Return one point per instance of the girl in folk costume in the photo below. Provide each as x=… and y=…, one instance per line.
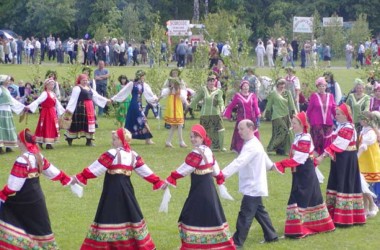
x=82, y=109
x=136, y=121
x=358, y=102
x=8, y=136
x=306, y=212
x=124, y=105
x=119, y=223
x=344, y=192
x=202, y=224
x=175, y=91
x=369, y=156
x=247, y=108
x=321, y=113
x=374, y=103
x=24, y=219
x=212, y=107
x=47, y=130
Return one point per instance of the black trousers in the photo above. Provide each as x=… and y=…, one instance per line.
x=252, y=207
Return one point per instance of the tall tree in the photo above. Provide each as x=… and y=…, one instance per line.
x=196, y=11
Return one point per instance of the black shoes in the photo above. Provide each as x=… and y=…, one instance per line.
x=89, y=143
x=69, y=141
x=49, y=146
x=8, y=150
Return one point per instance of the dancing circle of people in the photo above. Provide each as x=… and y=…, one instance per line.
x=347, y=133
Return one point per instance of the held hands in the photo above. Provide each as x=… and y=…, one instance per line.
x=75, y=187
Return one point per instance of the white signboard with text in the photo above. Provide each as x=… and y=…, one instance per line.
x=302, y=24
x=178, y=27
x=332, y=21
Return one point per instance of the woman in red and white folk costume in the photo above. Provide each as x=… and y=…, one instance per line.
x=119, y=223
x=24, y=219
x=306, y=213
x=247, y=108
x=47, y=130
x=202, y=223
x=344, y=198
x=82, y=107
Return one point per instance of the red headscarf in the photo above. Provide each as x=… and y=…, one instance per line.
x=31, y=146
x=346, y=111
x=302, y=118
x=200, y=130
x=80, y=78
x=121, y=134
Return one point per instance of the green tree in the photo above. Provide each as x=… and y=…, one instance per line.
x=360, y=30
x=58, y=16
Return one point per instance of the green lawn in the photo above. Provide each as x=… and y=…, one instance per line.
x=71, y=216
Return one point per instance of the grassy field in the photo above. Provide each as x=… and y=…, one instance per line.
x=71, y=216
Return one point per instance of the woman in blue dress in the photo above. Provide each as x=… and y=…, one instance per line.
x=136, y=121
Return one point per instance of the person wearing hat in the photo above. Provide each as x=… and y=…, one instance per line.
x=344, y=197
x=320, y=113
x=24, y=218
x=174, y=90
x=135, y=121
x=280, y=107
x=247, y=108
x=293, y=85
x=82, y=109
x=119, y=220
x=252, y=165
x=306, y=212
x=47, y=130
x=202, y=216
x=8, y=136
x=212, y=107
x=358, y=102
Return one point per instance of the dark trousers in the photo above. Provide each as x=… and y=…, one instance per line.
x=252, y=207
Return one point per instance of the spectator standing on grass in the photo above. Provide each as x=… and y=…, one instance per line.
x=269, y=53
x=181, y=52
x=260, y=52
x=20, y=49
x=101, y=75
x=349, y=54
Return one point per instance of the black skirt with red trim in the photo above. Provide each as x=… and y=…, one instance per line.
x=118, y=223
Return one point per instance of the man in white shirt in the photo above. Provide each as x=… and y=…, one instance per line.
x=226, y=50
x=252, y=165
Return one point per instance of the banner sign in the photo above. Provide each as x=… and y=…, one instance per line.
x=303, y=24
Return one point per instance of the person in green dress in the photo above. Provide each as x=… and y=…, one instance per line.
x=358, y=102
x=122, y=107
x=280, y=108
x=212, y=107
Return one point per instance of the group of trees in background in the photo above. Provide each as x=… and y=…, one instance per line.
x=134, y=19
